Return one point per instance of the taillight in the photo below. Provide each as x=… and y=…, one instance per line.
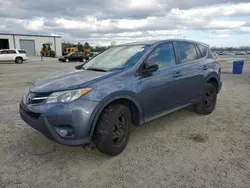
x=218, y=61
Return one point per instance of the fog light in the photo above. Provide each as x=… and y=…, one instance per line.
x=65, y=132
x=62, y=132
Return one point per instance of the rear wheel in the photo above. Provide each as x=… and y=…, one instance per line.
x=208, y=100
x=19, y=60
x=113, y=129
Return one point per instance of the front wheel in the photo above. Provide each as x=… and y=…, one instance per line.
x=19, y=60
x=113, y=129
x=208, y=100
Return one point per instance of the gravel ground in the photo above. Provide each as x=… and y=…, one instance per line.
x=180, y=150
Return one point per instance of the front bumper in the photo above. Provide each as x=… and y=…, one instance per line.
x=47, y=117
x=62, y=60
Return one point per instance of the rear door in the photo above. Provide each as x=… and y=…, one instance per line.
x=191, y=71
x=11, y=55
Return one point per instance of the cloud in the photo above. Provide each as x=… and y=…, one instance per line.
x=103, y=21
x=245, y=29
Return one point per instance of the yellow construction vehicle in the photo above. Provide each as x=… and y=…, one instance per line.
x=86, y=49
x=69, y=50
x=46, y=50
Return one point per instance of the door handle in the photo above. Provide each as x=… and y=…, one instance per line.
x=204, y=67
x=177, y=74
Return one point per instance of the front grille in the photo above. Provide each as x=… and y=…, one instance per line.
x=36, y=98
x=33, y=115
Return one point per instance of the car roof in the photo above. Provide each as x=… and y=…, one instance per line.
x=152, y=42
x=11, y=49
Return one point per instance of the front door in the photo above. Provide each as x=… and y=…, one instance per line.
x=4, y=55
x=75, y=57
x=158, y=90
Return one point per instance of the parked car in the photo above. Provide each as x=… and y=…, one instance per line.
x=132, y=84
x=220, y=53
x=241, y=53
x=15, y=55
x=76, y=56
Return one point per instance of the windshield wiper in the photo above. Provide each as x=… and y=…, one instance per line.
x=97, y=69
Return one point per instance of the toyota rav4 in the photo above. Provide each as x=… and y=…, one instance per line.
x=126, y=85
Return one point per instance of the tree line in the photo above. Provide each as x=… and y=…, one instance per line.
x=80, y=46
x=241, y=48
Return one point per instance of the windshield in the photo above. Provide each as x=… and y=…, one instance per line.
x=119, y=57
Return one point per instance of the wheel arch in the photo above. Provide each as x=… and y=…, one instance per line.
x=213, y=79
x=136, y=110
x=18, y=57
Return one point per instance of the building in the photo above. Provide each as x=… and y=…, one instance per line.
x=32, y=44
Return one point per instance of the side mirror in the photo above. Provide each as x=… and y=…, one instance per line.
x=150, y=67
x=78, y=67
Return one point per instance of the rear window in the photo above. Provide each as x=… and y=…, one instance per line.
x=203, y=50
x=21, y=51
x=187, y=52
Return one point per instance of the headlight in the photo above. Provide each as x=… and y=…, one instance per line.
x=67, y=96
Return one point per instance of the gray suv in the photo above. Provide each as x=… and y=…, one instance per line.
x=126, y=85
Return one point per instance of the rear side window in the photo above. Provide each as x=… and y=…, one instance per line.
x=210, y=54
x=187, y=52
x=203, y=50
x=11, y=51
x=21, y=51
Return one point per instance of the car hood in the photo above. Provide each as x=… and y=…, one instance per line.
x=67, y=80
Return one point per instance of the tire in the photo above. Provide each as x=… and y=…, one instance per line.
x=208, y=100
x=67, y=60
x=19, y=60
x=113, y=129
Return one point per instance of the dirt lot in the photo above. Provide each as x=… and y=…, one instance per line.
x=180, y=150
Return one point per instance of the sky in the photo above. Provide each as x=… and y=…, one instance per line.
x=218, y=23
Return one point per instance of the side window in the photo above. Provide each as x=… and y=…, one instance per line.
x=210, y=55
x=203, y=50
x=21, y=51
x=4, y=52
x=11, y=52
x=187, y=52
x=163, y=55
